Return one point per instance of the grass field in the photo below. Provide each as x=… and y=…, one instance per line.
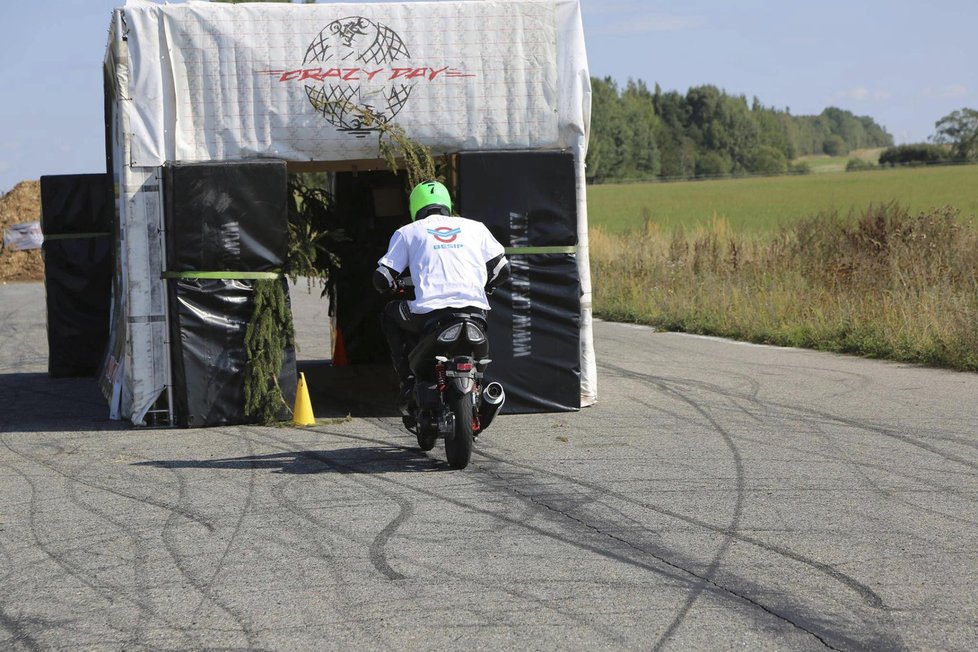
x=759, y=205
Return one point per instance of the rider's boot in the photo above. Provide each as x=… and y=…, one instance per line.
x=405, y=394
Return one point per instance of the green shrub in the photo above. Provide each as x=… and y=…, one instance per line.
x=915, y=154
x=768, y=160
x=858, y=165
x=713, y=164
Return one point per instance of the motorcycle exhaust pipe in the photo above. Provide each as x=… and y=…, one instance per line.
x=493, y=398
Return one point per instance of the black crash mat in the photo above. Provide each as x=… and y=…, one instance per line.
x=77, y=220
x=525, y=198
x=226, y=216
x=535, y=334
x=208, y=320
x=529, y=199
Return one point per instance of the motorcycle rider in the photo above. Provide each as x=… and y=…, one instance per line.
x=454, y=263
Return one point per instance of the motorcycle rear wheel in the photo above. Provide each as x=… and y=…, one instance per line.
x=458, y=449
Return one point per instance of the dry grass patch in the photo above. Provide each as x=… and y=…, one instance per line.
x=889, y=284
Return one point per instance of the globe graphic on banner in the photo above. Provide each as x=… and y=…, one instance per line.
x=357, y=42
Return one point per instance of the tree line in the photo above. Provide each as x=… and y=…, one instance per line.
x=637, y=133
x=955, y=140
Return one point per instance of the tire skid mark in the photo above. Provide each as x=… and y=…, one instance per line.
x=730, y=530
x=868, y=596
x=8, y=560
x=793, y=412
x=378, y=547
x=122, y=494
x=139, y=559
x=166, y=534
x=894, y=496
x=789, y=409
x=279, y=492
x=19, y=636
x=697, y=582
x=963, y=441
x=886, y=432
x=658, y=409
x=140, y=562
x=672, y=570
x=851, y=380
x=715, y=587
x=108, y=592
x=857, y=463
x=803, y=415
x=249, y=499
x=682, y=576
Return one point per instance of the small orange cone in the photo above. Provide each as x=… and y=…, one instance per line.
x=339, y=350
x=302, y=415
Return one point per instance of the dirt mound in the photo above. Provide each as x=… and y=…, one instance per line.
x=21, y=204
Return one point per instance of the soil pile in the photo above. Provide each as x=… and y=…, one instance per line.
x=21, y=204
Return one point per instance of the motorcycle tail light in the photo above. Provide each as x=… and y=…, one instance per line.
x=450, y=334
x=474, y=334
x=463, y=366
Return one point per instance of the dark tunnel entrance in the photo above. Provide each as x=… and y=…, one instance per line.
x=355, y=376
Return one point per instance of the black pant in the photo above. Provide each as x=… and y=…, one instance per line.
x=401, y=329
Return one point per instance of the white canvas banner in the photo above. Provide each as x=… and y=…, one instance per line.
x=293, y=82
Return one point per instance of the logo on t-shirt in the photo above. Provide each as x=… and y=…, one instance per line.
x=445, y=234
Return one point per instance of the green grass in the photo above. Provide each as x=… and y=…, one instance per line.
x=760, y=205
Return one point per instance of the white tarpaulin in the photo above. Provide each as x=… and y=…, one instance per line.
x=18, y=237
x=202, y=81
x=293, y=82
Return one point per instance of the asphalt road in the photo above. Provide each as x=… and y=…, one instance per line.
x=718, y=496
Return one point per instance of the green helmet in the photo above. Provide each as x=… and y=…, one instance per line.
x=427, y=195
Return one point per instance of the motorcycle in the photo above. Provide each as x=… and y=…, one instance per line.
x=450, y=399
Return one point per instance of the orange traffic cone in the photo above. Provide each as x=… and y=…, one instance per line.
x=302, y=415
x=339, y=350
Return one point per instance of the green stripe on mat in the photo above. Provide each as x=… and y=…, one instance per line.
x=229, y=276
x=516, y=251
x=74, y=236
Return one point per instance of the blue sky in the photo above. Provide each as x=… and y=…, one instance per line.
x=904, y=63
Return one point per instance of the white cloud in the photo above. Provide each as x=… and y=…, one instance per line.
x=863, y=94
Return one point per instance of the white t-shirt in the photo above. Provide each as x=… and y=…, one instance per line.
x=447, y=257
